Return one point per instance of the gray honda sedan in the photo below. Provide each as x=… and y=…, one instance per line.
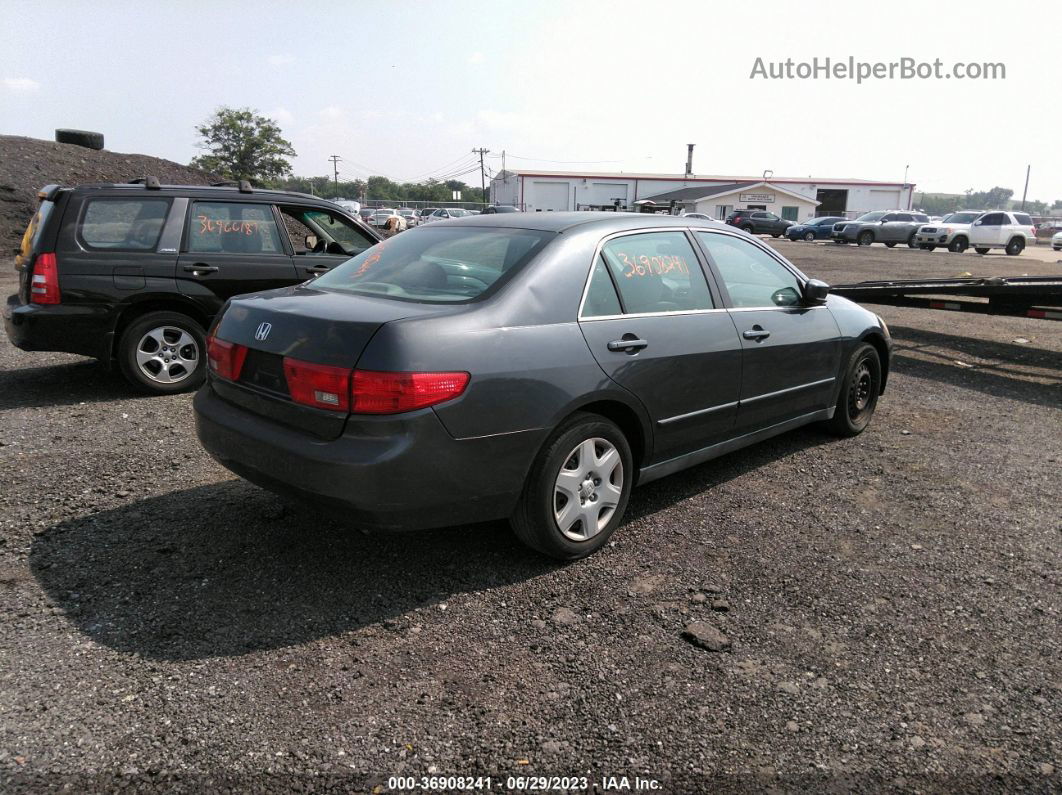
x=530, y=366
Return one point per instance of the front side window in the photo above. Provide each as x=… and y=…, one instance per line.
x=233, y=228
x=656, y=272
x=132, y=225
x=752, y=276
x=439, y=264
x=993, y=219
x=870, y=217
x=336, y=234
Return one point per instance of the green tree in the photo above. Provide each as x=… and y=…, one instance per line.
x=241, y=144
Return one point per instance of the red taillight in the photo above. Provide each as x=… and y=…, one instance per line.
x=391, y=393
x=318, y=385
x=44, y=286
x=225, y=358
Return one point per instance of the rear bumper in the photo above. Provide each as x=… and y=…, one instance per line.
x=400, y=472
x=59, y=327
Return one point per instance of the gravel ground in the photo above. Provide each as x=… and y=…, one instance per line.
x=891, y=602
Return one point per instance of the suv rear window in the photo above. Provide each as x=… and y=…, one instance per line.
x=129, y=224
x=1023, y=219
x=439, y=264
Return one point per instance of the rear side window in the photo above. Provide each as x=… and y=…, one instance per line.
x=233, y=228
x=123, y=224
x=439, y=264
x=601, y=299
x=33, y=233
x=1023, y=219
x=656, y=272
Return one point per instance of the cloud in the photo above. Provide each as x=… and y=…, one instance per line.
x=476, y=57
x=281, y=59
x=502, y=120
x=282, y=116
x=332, y=113
x=21, y=85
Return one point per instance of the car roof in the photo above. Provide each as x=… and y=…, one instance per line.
x=204, y=191
x=563, y=221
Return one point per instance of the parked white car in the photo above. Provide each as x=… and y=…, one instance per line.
x=380, y=216
x=1009, y=231
x=1056, y=241
x=444, y=213
x=350, y=206
x=952, y=231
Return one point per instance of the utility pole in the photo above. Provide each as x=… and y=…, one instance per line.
x=482, y=178
x=335, y=170
x=909, y=196
x=1025, y=192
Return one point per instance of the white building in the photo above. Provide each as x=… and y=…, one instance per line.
x=794, y=199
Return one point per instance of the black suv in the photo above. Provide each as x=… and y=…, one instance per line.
x=759, y=222
x=133, y=274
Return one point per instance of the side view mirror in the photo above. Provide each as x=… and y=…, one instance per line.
x=815, y=291
x=310, y=241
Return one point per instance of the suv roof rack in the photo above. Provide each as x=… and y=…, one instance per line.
x=151, y=183
x=243, y=184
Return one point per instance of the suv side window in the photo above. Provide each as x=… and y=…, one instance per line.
x=339, y=235
x=233, y=228
x=752, y=276
x=656, y=272
x=889, y=217
x=123, y=224
x=1023, y=219
x=904, y=217
x=994, y=219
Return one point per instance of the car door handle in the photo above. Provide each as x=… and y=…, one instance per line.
x=629, y=344
x=200, y=269
x=317, y=269
x=756, y=333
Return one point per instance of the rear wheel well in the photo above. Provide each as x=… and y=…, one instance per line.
x=141, y=308
x=882, y=348
x=627, y=421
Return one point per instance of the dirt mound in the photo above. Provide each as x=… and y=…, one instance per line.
x=28, y=163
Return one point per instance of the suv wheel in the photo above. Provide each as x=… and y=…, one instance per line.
x=865, y=238
x=912, y=241
x=578, y=489
x=1015, y=246
x=748, y=228
x=958, y=245
x=163, y=353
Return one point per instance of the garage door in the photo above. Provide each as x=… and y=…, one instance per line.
x=550, y=196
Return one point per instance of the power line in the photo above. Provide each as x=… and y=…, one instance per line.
x=449, y=166
x=564, y=162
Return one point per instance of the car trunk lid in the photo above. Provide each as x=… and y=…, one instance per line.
x=308, y=325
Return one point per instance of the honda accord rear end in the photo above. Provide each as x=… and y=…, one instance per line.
x=331, y=390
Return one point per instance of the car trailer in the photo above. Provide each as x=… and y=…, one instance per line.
x=1019, y=296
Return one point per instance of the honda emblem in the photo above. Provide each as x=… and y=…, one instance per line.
x=263, y=331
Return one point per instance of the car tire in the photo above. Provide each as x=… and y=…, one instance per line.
x=981, y=250
x=89, y=140
x=809, y=236
x=860, y=386
x=749, y=229
x=541, y=512
x=163, y=353
x=958, y=245
x=1015, y=247
x=776, y=234
x=865, y=238
x=929, y=247
x=890, y=245
x=912, y=242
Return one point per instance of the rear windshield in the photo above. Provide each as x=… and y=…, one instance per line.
x=33, y=233
x=437, y=264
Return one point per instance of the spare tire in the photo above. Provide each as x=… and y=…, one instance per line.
x=89, y=140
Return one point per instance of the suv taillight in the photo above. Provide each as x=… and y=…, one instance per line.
x=376, y=392
x=44, y=286
x=225, y=358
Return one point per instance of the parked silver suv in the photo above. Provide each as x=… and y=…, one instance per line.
x=881, y=226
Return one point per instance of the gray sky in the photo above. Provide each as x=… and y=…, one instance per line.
x=408, y=89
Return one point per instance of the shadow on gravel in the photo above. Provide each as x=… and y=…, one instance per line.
x=1000, y=376
x=228, y=569
x=62, y=385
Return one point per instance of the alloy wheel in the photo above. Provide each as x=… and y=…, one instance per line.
x=167, y=354
x=587, y=489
